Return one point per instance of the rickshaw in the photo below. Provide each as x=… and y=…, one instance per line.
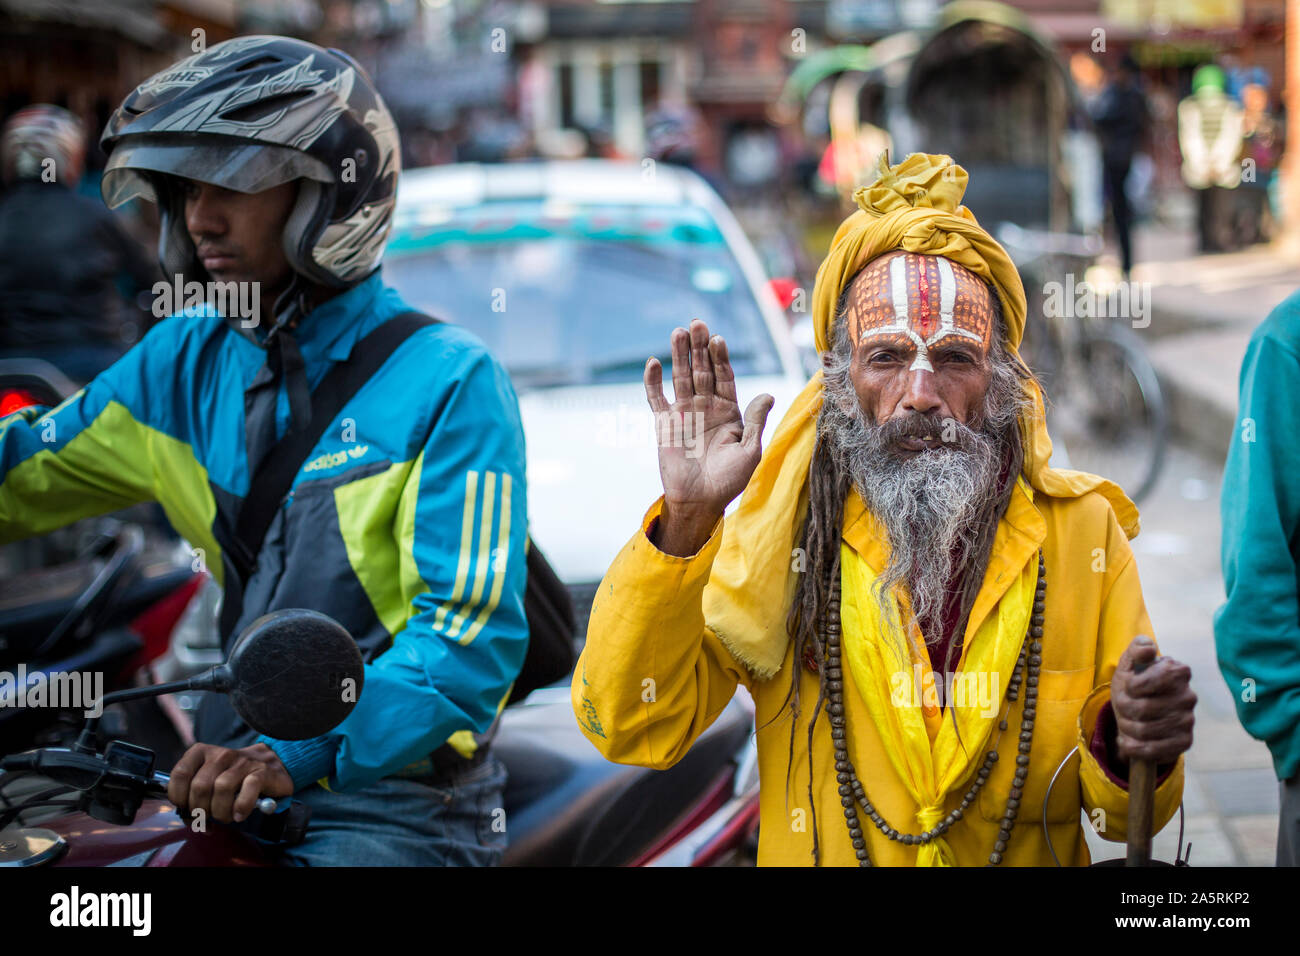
x=981, y=85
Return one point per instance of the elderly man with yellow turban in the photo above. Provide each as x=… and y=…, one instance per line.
x=930, y=619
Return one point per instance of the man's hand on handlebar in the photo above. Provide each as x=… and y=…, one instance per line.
x=226, y=784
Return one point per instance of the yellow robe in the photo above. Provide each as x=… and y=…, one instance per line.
x=647, y=623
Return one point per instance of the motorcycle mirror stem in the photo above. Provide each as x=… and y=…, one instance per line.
x=219, y=679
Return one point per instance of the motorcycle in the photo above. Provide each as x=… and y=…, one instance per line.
x=111, y=615
x=283, y=677
x=130, y=606
x=565, y=805
x=568, y=806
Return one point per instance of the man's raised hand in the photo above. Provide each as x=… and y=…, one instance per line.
x=707, y=448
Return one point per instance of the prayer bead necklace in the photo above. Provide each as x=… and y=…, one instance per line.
x=850, y=788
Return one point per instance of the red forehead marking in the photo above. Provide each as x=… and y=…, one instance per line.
x=925, y=321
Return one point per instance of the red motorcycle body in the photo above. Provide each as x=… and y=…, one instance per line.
x=158, y=837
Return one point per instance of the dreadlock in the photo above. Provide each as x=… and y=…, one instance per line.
x=829, y=482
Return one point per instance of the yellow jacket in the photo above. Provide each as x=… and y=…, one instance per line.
x=647, y=625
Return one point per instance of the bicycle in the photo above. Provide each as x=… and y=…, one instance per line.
x=1106, y=411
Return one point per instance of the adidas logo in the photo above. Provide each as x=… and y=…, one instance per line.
x=334, y=459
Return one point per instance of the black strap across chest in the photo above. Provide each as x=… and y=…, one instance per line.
x=275, y=474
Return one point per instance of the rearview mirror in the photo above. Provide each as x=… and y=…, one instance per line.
x=293, y=674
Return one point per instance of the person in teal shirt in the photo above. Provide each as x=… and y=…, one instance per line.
x=1257, y=630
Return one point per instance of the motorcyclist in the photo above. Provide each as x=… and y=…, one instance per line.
x=67, y=268
x=672, y=135
x=274, y=164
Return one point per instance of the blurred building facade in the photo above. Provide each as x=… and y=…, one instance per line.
x=500, y=79
x=87, y=55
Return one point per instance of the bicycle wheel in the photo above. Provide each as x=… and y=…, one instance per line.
x=1111, y=413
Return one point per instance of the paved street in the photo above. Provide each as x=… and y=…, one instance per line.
x=1230, y=798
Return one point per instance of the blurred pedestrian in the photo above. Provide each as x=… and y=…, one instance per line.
x=1261, y=152
x=598, y=142
x=64, y=259
x=674, y=135
x=1209, y=135
x=1122, y=118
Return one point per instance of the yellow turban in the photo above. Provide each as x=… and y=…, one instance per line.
x=914, y=206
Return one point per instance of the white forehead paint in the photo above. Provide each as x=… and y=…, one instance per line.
x=922, y=360
x=947, y=292
x=901, y=324
x=898, y=288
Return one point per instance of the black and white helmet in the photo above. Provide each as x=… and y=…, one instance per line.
x=250, y=114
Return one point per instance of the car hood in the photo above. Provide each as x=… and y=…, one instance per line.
x=593, y=467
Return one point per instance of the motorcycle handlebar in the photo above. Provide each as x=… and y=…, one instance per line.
x=114, y=783
x=157, y=786
x=64, y=765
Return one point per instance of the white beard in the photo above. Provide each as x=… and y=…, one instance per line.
x=932, y=504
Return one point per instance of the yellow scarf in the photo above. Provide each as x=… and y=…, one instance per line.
x=925, y=750
x=913, y=206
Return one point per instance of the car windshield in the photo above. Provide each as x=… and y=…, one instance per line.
x=578, y=295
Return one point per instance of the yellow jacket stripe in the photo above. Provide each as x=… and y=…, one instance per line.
x=488, y=558
x=466, y=540
x=498, y=557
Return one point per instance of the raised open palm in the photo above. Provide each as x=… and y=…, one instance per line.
x=707, y=449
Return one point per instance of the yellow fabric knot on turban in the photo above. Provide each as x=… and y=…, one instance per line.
x=934, y=182
x=914, y=206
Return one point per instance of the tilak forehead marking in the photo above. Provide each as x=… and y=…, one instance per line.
x=921, y=298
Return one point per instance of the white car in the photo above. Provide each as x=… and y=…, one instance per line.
x=574, y=273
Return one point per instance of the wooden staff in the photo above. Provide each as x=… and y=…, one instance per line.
x=1141, y=802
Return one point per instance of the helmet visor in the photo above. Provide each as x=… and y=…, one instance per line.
x=241, y=166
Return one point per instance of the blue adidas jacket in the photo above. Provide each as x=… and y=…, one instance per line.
x=407, y=523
